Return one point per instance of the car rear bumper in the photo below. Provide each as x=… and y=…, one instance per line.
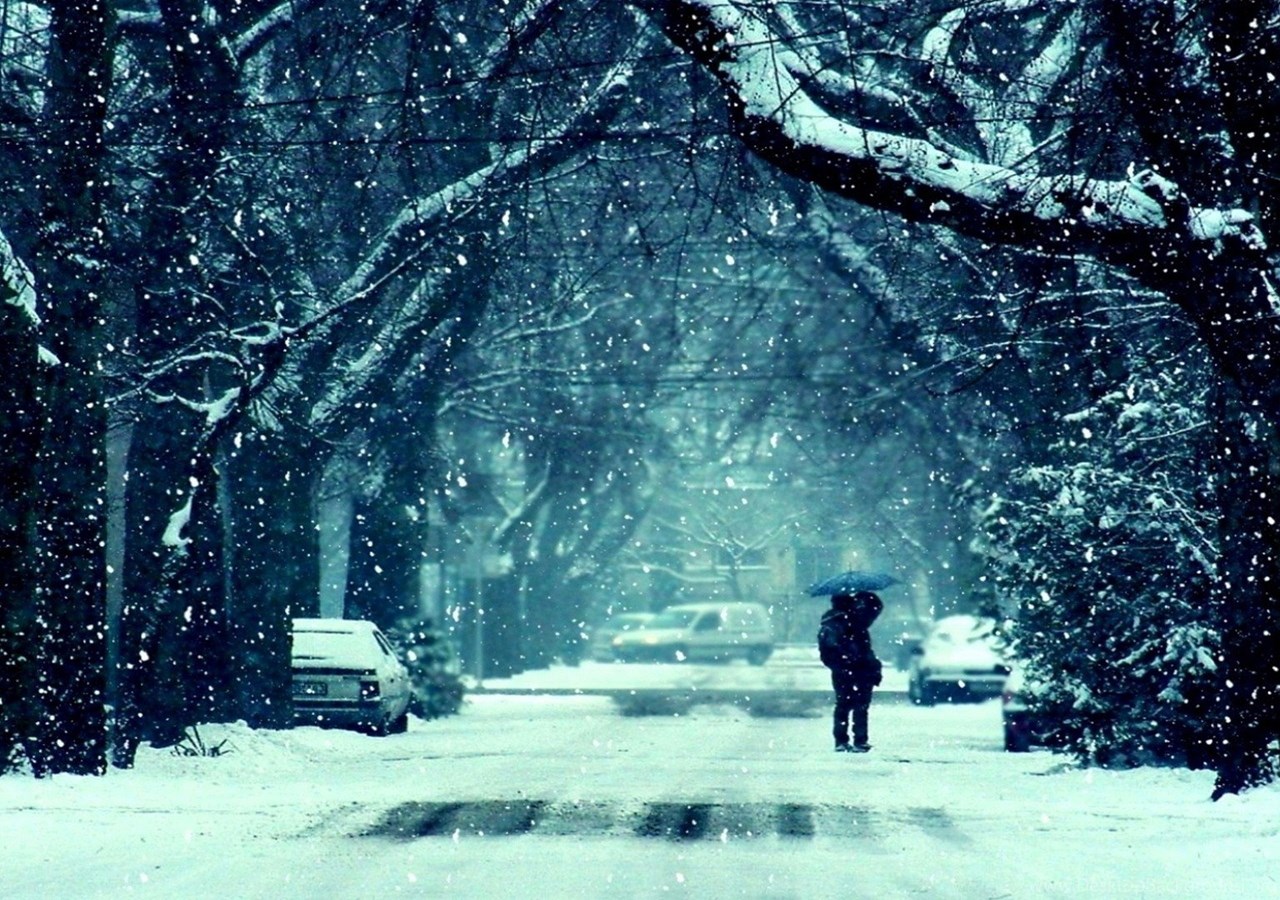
x=985, y=684
x=336, y=712
x=646, y=653
x=668, y=652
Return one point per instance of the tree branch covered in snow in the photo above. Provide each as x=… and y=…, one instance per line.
x=411, y=233
x=1123, y=220
x=17, y=286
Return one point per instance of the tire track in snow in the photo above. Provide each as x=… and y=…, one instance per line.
x=659, y=820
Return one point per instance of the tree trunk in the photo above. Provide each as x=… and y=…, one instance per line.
x=277, y=573
x=389, y=532
x=177, y=599
x=70, y=470
x=1248, y=705
x=20, y=423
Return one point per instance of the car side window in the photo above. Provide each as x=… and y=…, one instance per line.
x=709, y=622
x=384, y=644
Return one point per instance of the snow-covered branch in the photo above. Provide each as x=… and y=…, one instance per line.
x=520, y=331
x=1001, y=111
x=412, y=232
x=17, y=285
x=1122, y=220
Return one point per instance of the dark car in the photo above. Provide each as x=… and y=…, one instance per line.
x=1024, y=728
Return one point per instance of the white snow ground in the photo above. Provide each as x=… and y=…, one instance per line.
x=560, y=796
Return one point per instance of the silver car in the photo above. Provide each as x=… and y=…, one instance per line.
x=346, y=674
x=700, y=632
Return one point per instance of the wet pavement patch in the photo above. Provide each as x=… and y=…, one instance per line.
x=678, y=821
x=670, y=821
x=492, y=817
x=795, y=820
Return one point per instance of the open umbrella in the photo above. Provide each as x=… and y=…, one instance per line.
x=851, y=582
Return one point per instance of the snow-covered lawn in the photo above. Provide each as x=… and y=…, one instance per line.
x=563, y=797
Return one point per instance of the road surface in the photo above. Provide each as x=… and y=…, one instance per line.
x=564, y=797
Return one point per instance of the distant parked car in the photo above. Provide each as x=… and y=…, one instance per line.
x=1023, y=727
x=601, y=645
x=957, y=660
x=346, y=674
x=700, y=632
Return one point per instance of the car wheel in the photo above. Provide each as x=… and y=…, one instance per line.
x=400, y=724
x=1016, y=740
x=928, y=693
x=758, y=656
x=913, y=691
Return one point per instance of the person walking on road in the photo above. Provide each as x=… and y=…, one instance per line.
x=844, y=644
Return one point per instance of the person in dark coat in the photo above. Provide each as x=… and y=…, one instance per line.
x=844, y=643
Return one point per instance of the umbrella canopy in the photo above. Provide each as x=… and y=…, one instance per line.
x=852, y=582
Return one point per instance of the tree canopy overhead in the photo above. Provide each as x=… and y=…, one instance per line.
x=293, y=228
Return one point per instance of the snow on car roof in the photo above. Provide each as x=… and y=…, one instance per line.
x=335, y=626
x=339, y=642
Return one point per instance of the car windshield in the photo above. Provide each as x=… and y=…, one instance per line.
x=964, y=630
x=628, y=621
x=673, y=618
x=343, y=646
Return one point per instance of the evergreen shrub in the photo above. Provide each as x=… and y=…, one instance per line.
x=428, y=653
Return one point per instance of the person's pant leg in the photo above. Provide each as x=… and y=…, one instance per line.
x=860, y=724
x=845, y=689
x=859, y=705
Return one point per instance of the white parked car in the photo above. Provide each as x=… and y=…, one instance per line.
x=345, y=673
x=958, y=659
x=700, y=632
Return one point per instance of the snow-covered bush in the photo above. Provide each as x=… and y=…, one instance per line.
x=1104, y=561
x=433, y=668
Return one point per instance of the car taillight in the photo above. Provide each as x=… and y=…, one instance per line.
x=369, y=690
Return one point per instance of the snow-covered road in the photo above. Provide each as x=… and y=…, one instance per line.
x=563, y=797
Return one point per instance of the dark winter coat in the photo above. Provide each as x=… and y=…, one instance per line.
x=844, y=641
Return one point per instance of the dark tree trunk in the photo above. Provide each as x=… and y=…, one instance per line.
x=69, y=468
x=20, y=424
x=276, y=576
x=1229, y=301
x=387, y=544
x=153, y=691
x=186, y=675
x=1248, y=705
x=390, y=531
